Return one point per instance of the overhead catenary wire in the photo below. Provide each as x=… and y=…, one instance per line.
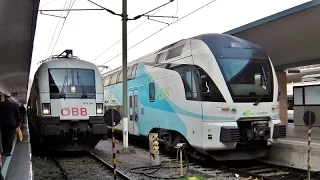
x=108, y=10
x=161, y=29
x=135, y=18
x=176, y=10
x=127, y=34
x=47, y=3
x=55, y=30
x=70, y=7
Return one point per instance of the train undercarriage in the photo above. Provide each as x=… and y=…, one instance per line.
x=252, y=138
x=66, y=135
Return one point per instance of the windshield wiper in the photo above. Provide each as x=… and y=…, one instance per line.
x=84, y=94
x=263, y=92
x=62, y=94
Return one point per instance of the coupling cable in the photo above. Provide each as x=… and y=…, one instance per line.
x=149, y=170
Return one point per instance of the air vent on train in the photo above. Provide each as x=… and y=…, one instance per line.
x=229, y=134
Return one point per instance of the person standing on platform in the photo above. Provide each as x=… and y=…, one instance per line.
x=10, y=119
x=22, y=110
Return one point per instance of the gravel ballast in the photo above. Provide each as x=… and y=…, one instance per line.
x=141, y=157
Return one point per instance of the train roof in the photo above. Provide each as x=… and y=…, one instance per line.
x=215, y=40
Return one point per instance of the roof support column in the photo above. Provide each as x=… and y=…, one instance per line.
x=283, y=101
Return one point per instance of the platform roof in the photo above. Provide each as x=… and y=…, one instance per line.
x=291, y=37
x=18, y=23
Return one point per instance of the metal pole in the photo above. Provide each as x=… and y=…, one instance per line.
x=113, y=147
x=124, y=73
x=309, y=140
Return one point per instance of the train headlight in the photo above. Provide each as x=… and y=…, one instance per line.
x=233, y=111
x=227, y=111
x=99, y=108
x=73, y=89
x=46, y=110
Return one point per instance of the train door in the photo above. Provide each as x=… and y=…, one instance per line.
x=134, y=112
x=210, y=93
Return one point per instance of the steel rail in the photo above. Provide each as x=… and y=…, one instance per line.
x=121, y=174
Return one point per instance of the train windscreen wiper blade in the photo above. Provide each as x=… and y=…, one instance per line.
x=266, y=86
x=84, y=94
x=62, y=94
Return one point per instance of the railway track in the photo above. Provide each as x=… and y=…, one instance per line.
x=251, y=168
x=267, y=171
x=89, y=165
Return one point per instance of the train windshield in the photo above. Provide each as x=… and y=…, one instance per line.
x=248, y=79
x=72, y=81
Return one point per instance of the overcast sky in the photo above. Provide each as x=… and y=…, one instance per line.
x=90, y=33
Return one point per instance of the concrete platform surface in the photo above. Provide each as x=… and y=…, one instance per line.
x=293, y=150
x=18, y=166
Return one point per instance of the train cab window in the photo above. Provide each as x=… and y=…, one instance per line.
x=151, y=92
x=71, y=80
x=83, y=76
x=258, y=80
x=209, y=90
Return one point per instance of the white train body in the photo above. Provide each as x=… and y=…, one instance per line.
x=216, y=92
x=66, y=104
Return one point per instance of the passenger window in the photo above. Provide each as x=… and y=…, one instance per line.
x=130, y=101
x=114, y=78
x=157, y=58
x=129, y=75
x=135, y=100
x=106, y=80
x=120, y=76
x=151, y=92
x=175, y=52
x=161, y=58
x=134, y=70
x=189, y=85
x=110, y=82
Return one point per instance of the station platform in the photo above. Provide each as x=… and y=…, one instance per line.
x=293, y=150
x=18, y=165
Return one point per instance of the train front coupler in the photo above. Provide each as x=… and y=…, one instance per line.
x=260, y=130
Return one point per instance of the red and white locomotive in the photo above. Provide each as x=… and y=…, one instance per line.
x=65, y=106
